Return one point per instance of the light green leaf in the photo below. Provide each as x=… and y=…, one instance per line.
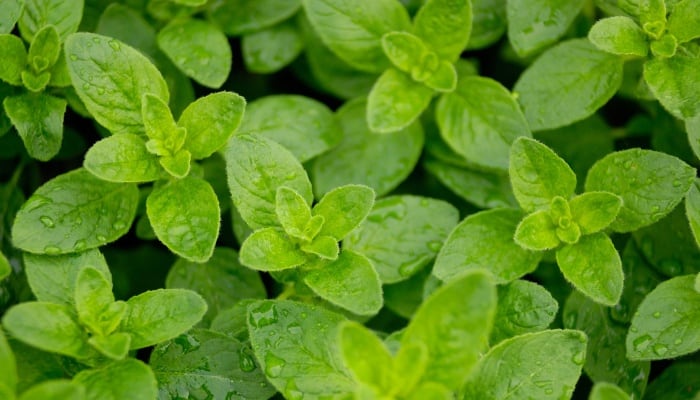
x=443, y=78
x=666, y=77
x=666, y=324
x=536, y=24
x=270, y=249
x=480, y=120
x=523, y=307
x=323, y=246
x=595, y=211
x=38, y=119
x=8, y=367
x=129, y=379
x=650, y=183
x=114, y=346
x=402, y=234
x=343, y=209
x=236, y=17
x=538, y=174
x=163, y=314
x=353, y=30
x=15, y=59
x=349, y=282
x=454, y=324
x=210, y=121
x=537, y=232
x=684, y=21
x=123, y=158
x=113, y=96
x=396, y=101
x=404, y=50
x=55, y=389
x=362, y=157
x=44, y=49
x=366, y=357
x=204, y=363
x=410, y=363
x=692, y=127
x=607, y=391
x=185, y=216
x=431, y=391
x=160, y=125
x=93, y=295
x=48, y=326
x=484, y=240
x=74, y=212
x=304, y=126
x=652, y=16
x=64, y=15
x=544, y=365
x=444, y=26
x=593, y=266
x=551, y=99
x=5, y=267
x=303, y=359
x=178, y=164
x=271, y=49
x=34, y=82
x=619, y=35
x=293, y=212
x=199, y=49
x=256, y=167
x=12, y=9
x=692, y=210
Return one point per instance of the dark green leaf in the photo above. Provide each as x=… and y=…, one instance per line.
x=236, y=17
x=38, y=119
x=273, y=48
x=667, y=79
x=677, y=382
x=523, y=307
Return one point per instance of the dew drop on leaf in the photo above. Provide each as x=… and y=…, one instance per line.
x=245, y=361
x=119, y=225
x=79, y=245
x=264, y=315
x=47, y=221
x=101, y=238
x=52, y=250
x=642, y=342
x=660, y=349
x=273, y=365
x=294, y=329
x=114, y=44
x=579, y=358
x=188, y=343
x=656, y=314
x=435, y=245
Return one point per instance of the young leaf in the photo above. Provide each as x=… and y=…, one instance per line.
x=12, y=9
x=650, y=183
x=163, y=314
x=402, y=234
x=523, y=307
x=204, y=363
x=74, y=212
x=178, y=165
x=44, y=49
x=128, y=379
x=537, y=232
x=593, y=266
x=160, y=125
x=450, y=361
x=353, y=30
x=395, y=101
x=652, y=16
x=38, y=118
x=404, y=50
x=666, y=78
x=684, y=21
x=666, y=324
x=271, y=249
x=271, y=49
x=692, y=210
x=323, y=246
x=349, y=282
x=238, y=17
x=538, y=174
x=129, y=77
x=465, y=248
x=607, y=391
x=343, y=209
x=123, y=158
x=595, y=211
x=619, y=35
x=64, y=15
x=15, y=59
x=256, y=167
x=55, y=389
x=292, y=212
x=199, y=49
x=93, y=294
x=114, y=346
x=534, y=25
x=551, y=99
x=305, y=340
x=544, y=365
x=48, y=326
x=366, y=357
x=437, y=20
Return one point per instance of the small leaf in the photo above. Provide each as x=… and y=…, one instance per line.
x=114, y=346
x=343, y=209
x=185, y=216
x=443, y=78
x=684, y=21
x=440, y=19
x=538, y=174
x=38, y=119
x=44, y=49
x=410, y=363
x=536, y=24
x=246, y=16
x=665, y=78
x=325, y=247
x=366, y=357
x=159, y=123
x=537, y=232
x=523, y=307
x=619, y=35
x=271, y=49
x=349, y=282
x=64, y=15
x=593, y=266
x=163, y=314
x=15, y=59
x=403, y=49
x=396, y=101
x=292, y=212
x=93, y=294
x=177, y=165
x=607, y=391
x=595, y=211
x=122, y=158
x=55, y=389
x=128, y=379
x=270, y=249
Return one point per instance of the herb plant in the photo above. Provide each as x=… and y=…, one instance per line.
x=367, y=199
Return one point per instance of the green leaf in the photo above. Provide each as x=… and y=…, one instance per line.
x=35, y=82
x=304, y=126
x=93, y=296
x=467, y=331
x=650, y=183
x=349, y=282
x=236, y=17
x=652, y=15
x=44, y=49
x=185, y=216
x=38, y=119
x=619, y=35
x=163, y=314
x=523, y=307
x=402, y=234
x=692, y=210
x=595, y=211
x=666, y=77
x=270, y=249
x=607, y=391
x=292, y=212
x=199, y=49
x=485, y=240
x=538, y=174
x=5, y=267
x=123, y=158
x=684, y=21
x=12, y=9
x=48, y=326
x=112, y=95
x=534, y=25
x=323, y=246
x=410, y=363
x=64, y=15
x=692, y=127
x=480, y=120
x=15, y=59
x=438, y=20
x=640, y=280
x=677, y=382
x=343, y=209
x=305, y=341
x=114, y=346
x=593, y=266
x=56, y=389
x=488, y=23
x=74, y=212
x=404, y=50
x=362, y=157
x=178, y=165
x=256, y=167
x=537, y=232
x=544, y=365
x=8, y=367
x=366, y=357
x=551, y=99
x=128, y=379
x=353, y=30
x=396, y=101
x=666, y=323
x=271, y=49
x=160, y=125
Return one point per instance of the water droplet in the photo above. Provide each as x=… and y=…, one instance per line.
x=52, y=250
x=407, y=269
x=677, y=183
x=100, y=90
x=671, y=267
x=73, y=57
x=36, y=201
x=47, y=221
x=579, y=358
x=292, y=392
x=273, y=365
x=641, y=343
x=114, y=44
x=294, y=329
x=656, y=314
x=264, y=315
x=78, y=221
x=187, y=342
x=660, y=349
x=101, y=238
x=86, y=86
x=628, y=164
x=245, y=361
x=435, y=245
x=655, y=209
x=119, y=225
x=303, y=315
x=79, y=245
x=548, y=391
x=96, y=39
